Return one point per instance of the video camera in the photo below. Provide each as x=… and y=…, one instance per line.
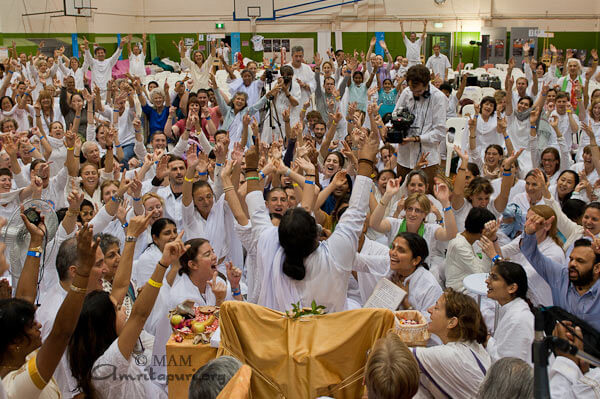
x=401, y=121
x=270, y=75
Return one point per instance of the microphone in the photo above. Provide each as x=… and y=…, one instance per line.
x=540, y=352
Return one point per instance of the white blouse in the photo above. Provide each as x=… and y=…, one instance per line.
x=514, y=332
x=453, y=370
x=113, y=376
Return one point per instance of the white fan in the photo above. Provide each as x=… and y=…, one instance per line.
x=16, y=237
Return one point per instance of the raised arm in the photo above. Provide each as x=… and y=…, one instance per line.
x=137, y=225
x=509, y=95
x=458, y=194
x=378, y=221
x=54, y=346
x=231, y=195
x=145, y=301
x=335, y=119
x=502, y=200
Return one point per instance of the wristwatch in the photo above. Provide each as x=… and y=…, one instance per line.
x=130, y=239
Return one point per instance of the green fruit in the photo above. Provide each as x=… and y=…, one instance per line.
x=176, y=319
x=198, y=327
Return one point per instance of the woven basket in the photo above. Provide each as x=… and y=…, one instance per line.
x=412, y=335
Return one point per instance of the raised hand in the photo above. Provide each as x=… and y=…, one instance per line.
x=442, y=193
x=173, y=250
x=162, y=168
x=234, y=275
x=218, y=288
x=318, y=59
x=535, y=222
x=86, y=245
x=139, y=224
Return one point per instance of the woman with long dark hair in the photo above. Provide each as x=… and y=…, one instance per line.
x=26, y=363
x=297, y=266
x=507, y=285
x=100, y=351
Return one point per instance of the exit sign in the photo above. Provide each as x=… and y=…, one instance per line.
x=220, y=26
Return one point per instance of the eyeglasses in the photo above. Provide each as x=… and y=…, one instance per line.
x=415, y=210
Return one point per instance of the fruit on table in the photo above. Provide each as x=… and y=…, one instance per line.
x=199, y=327
x=176, y=319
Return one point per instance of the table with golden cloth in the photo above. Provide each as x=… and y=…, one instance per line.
x=183, y=359
x=307, y=357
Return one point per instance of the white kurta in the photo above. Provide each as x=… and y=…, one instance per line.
x=454, y=370
x=144, y=266
x=461, y=261
x=102, y=70
x=136, y=64
x=514, y=333
x=327, y=268
x=112, y=363
x=568, y=382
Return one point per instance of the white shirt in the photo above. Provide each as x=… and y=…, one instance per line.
x=514, y=332
x=452, y=105
x=429, y=125
x=518, y=188
x=568, y=382
x=45, y=315
x=592, y=177
x=372, y=253
x=253, y=91
x=452, y=370
x=136, y=64
x=144, y=266
x=460, y=215
x=439, y=64
x=125, y=125
x=172, y=207
x=306, y=75
x=327, y=268
x=565, y=128
x=413, y=50
x=78, y=75
x=462, y=261
x=101, y=70
x=120, y=384
x=523, y=201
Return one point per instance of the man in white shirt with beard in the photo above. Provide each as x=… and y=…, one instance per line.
x=303, y=74
x=429, y=106
x=413, y=45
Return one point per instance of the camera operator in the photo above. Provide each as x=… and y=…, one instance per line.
x=287, y=95
x=428, y=105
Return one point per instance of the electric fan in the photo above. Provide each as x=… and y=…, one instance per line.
x=16, y=237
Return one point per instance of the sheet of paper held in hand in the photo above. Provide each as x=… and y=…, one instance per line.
x=385, y=295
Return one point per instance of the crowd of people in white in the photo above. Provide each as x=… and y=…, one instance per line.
x=278, y=183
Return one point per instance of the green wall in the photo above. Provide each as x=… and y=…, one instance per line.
x=578, y=40
x=461, y=43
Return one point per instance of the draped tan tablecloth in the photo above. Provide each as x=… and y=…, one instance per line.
x=302, y=358
x=183, y=359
